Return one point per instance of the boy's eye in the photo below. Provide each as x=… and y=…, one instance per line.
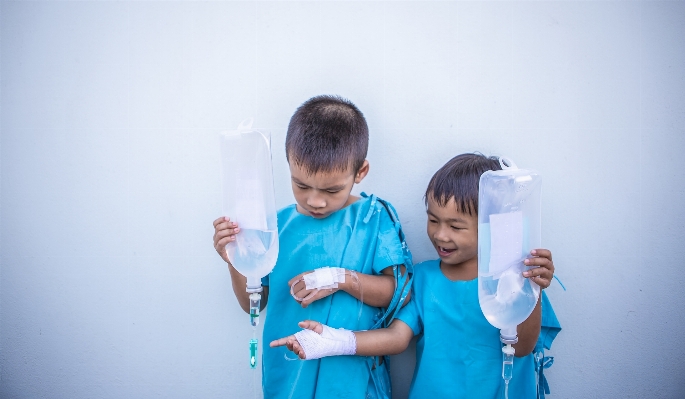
x=301, y=187
x=332, y=191
x=456, y=228
x=432, y=220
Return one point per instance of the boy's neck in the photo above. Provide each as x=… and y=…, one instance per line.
x=350, y=200
x=464, y=271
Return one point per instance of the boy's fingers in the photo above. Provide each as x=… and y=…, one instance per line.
x=311, y=325
x=226, y=227
x=300, y=352
x=536, y=261
x=543, y=263
x=310, y=297
x=221, y=244
x=281, y=341
x=539, y=272
x=301, y=293
x=540, y=276
x=292, y=280
x=220, y=220
x=227, y=232
x=541, y=281
x=545, y=253
x=224, y=220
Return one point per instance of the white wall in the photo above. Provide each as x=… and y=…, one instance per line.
x=109, y=285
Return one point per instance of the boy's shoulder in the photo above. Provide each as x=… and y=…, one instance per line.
x=427, y=267
x=287, y=210
x=376, y=202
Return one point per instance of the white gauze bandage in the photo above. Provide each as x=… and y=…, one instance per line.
x=331, y=342
x=324, y=278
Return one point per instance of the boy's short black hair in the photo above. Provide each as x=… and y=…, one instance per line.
x=327, y=133
x=459, y=179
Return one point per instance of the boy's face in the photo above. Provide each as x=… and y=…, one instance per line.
x=321, y=194
x=453, y=234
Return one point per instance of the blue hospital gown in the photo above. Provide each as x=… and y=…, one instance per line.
x=458, y=354
x=359, y=237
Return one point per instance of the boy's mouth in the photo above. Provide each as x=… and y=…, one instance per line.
x=442, y=251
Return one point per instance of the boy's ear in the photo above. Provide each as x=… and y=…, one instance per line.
x=362, y=172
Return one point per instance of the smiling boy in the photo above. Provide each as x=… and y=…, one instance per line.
x=458, y=352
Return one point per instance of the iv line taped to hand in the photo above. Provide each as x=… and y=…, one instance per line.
x=323, y=278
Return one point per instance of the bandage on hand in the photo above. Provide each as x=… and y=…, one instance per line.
x=320, y=279
x=331, y=342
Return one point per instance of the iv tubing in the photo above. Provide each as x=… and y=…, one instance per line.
x=508, y=336
x=255, y=305
x=253, y=361
x=507, y=367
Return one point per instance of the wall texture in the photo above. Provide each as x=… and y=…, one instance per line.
x=109, y=285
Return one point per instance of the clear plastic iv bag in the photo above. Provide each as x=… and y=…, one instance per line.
x=508, y=229
x=248, y=199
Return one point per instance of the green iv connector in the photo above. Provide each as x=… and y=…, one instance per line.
x=253, y=353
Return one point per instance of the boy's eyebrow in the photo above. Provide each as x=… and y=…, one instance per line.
x=338, y=187
x=457, y=220
x=333, y=188
x=297, y=181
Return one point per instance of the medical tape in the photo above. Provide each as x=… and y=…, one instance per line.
x=331, y=342
x=322, y=278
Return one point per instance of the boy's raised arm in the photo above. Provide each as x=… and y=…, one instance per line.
x=224, y=232
x=327, y=341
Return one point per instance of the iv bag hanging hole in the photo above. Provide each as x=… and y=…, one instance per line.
x=246, y=124
x=507, y=163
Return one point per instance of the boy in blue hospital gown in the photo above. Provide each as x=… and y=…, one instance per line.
x=328, y=231
x=458, y=353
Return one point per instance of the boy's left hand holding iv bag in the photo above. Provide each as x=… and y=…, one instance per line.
x=542, y=271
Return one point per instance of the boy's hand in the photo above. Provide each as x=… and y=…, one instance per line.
x=291, y=342
x=224, y=232
x=308, y=296
x=543, y=274
x=317, y=340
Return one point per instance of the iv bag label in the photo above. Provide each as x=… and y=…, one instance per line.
x=506, y=241
x=250, y=207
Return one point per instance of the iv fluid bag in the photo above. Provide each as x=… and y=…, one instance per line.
x=508, y=229
x=248, y=199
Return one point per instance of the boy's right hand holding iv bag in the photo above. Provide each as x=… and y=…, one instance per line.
x=329, y=241
x=224, y=233
x=456, y=346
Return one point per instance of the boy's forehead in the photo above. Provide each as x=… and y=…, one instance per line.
x=302, y=173
x=301, y=169
x=448, y=210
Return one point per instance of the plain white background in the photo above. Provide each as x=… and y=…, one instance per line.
x=109, y=284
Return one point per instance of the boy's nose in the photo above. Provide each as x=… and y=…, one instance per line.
x=316, y=201
x=440, y=234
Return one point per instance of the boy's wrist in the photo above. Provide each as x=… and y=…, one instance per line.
x=351, y=283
